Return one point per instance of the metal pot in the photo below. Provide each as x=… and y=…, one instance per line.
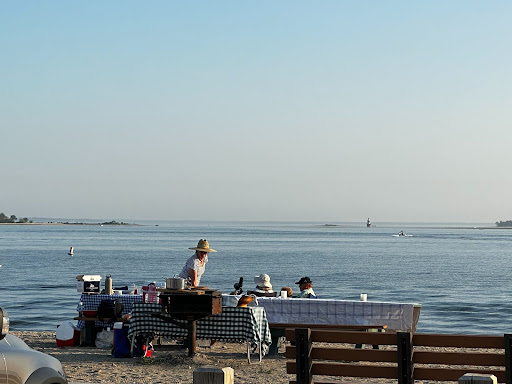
x=175, y=283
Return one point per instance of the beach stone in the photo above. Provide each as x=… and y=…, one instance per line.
x=212, y=375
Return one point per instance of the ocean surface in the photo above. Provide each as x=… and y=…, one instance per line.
x=459, y=273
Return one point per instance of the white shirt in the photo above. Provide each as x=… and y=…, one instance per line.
x=194, y=263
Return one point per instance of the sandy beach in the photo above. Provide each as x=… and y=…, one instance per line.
x=96, y=365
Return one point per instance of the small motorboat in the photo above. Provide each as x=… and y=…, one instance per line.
x=402, y=234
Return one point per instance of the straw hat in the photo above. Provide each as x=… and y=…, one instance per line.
x=202, y=245
x=263, y=280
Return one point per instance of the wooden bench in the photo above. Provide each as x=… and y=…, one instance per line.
x=277, y=330
x=405, y=357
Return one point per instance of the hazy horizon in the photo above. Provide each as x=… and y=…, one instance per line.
x=257, y=111
x=320, y=222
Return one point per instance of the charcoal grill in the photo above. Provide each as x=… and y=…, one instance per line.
x=189, y=305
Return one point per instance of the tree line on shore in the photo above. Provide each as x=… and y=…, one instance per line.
x=12, y=219
x=507, y=223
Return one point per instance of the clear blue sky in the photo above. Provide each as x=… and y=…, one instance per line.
x=263, y=110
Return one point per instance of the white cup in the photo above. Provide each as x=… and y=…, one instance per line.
x=364, y=296
x=284, y=294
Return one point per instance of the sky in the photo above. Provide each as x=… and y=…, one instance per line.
x=329, y=111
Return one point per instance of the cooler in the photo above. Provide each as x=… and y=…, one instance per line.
x=67, y=335
x=88, y=283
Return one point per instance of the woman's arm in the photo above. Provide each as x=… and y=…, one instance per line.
x=193, y=276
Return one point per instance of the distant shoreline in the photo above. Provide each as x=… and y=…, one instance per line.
x=58, y=223
x=321, y=225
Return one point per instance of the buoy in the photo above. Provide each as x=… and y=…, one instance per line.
x=70, y=251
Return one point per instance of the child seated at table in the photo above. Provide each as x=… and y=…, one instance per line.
x=289, y=291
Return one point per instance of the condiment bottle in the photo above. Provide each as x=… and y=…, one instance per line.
x=152, y=296
x=108, y=285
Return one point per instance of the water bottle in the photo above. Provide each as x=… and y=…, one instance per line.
x=152, y=295
x=108, y=285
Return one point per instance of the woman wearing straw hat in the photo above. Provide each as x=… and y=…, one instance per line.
x=195, y=265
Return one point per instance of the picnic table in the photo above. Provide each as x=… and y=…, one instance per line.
x=234, y=324
x=331, y=313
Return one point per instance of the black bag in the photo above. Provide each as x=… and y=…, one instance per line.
x=110, y=310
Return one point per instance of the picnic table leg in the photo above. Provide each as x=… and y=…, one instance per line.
x=192, y=331
x=89, y=334
x=276, y=334
x=132, y=344
x=259, y=349
x=359, y=346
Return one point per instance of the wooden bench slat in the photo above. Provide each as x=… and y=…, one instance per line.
x=345, y=354
x=327, y=326
x=460, y=341
x=353, y=337
x=291, y=367
x=457, y=358
x=350, y=337
x=452, y=374
x=325, y=335
x=353, y=370
x=290, y=352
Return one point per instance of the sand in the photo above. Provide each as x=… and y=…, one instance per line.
x=96, y=365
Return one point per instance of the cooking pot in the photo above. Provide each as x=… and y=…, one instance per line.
x=175, y=283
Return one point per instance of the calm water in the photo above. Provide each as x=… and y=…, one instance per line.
x=459, y=274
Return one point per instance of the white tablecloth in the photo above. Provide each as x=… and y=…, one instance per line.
x=396, y=316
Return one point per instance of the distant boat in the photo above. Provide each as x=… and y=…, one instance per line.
x=368, y=223
x=70, y=253
x=402, y=234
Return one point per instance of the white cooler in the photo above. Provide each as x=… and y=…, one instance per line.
x=88, y=283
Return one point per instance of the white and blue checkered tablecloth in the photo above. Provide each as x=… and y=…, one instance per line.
x=91, y=302
x=233, y=324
